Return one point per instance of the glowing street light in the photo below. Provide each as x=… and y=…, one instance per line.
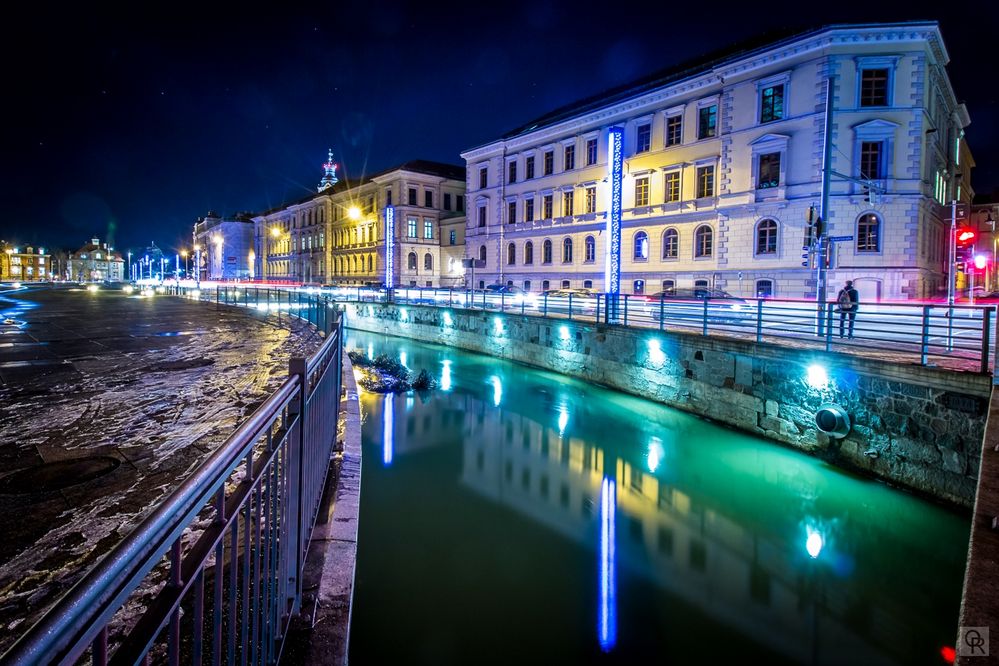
x=354, y=213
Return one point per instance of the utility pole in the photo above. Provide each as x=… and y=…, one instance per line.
x=820, y=274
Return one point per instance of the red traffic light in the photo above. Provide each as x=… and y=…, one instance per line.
x=966, y=236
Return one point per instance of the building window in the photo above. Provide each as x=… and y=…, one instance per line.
x=528, y=253
x=643, y=138
x=587, y=284
x=529, y=210
x=428, y=262
x=589, y=250
x=707, y=120
x=591, y=152
x=483, y=177
x=669, y=286
x=772, y=103
x=764, y=288
x=511, y=172
x=567, y=251
x=410, y=261
x=545, y=285
x=565, y=284
x=642, y=191
x=447, y=201
x=672, y=186
x=511, y=254
x=674, y=128
x=453, y=237
x=641, y=246
x=459, y=203
x=638, y=287
x=410, y=227
x=768, y=170
x=591, y=200
x=428, y=199
x=871, y=163
x=549, y=165
x=874, y=87
x=705, y=181
x=546, y=252
x=412, y=196
x=529, y=167
x=567, y=201
x=766, y=237
x=388, y=200
x=428, y=229
x=869, y=233
x=527, y=285
x=511, y=212
x=702, y=241
x=482, y=216
x=482, y=254
x=546, y=207
x=699, y=287
x=671, y=244
x=570, y=158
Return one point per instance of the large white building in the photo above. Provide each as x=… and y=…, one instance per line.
x=340, y=235
x=720, y=164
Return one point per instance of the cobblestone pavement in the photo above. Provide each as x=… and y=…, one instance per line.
x=107, y=401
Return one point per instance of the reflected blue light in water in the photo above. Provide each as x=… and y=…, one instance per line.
x=563, y=419
x=607, y=621
x=371, y=350
x=410, y=401
x=813, y=542
x=497, y=390
x=388, y=428
x=446, y=376
x=656, y=453
x=402, y=357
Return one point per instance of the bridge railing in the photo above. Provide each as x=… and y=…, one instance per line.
x=958, y=336
x=214, y=573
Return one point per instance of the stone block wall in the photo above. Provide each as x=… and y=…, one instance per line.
x=916, y=427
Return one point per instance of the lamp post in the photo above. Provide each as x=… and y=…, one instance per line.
x=197, y=266
x=131, y=269
x=187, y=264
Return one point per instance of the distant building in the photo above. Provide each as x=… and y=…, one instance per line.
x=23, y=263
x=703, y=176
x=339, y=235
x=226, y=246
x=96, y=262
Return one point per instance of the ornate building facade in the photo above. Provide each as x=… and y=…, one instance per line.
x=340, y=235
x=96, y=262
x=717, y=166
x=226, y=247
x=24, y=264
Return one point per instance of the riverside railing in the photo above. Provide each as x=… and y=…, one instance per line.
x=214, y=574
x=958, y=336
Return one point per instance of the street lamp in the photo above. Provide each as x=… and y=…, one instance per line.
x=187, y=264
x=197, y=265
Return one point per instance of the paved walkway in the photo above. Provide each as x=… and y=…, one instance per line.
x=106, y=402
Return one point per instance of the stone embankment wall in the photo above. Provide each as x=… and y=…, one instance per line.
x=913, y=426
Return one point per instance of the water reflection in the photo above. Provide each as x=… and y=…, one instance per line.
x=676, y=523
x=388, y=429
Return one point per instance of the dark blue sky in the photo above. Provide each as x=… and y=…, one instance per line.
x=133, y=123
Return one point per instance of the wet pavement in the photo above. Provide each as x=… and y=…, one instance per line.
x=107, y=401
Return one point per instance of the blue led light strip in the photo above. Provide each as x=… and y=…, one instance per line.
x=615, y=169
x=389, y=245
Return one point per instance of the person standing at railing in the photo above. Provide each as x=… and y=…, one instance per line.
x=848, y=302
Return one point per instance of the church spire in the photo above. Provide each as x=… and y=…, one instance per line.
x=329, y=178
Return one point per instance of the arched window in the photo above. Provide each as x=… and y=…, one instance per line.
x=528, y=253
x=869, y=233
x=428, y=262
x=669, y=287
x=511, y=254
x=371, y=263
x=671, y=244
x=766, y=236
x=641, y=246
x=567, y=251
x=638, y=287
x=703, y=241
x=590, y=246
x=764, y=288
x=482, y=253
x=411, y=261
x=546, y=252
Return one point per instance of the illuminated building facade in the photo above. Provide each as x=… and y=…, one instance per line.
x=719, y=165
x=227, y=250
x=24, y=263
x=96, y=262
x=338, y=235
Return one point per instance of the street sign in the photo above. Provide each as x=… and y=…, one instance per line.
x=837, y=239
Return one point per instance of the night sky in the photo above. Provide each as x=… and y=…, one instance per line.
x=131, y=124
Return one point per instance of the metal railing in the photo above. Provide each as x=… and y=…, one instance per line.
x=959, y=336
x=214, y=574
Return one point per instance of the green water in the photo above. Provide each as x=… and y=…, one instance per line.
x=517, y=516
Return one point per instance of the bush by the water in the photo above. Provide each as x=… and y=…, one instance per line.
x=384, y=374
x=424, y=381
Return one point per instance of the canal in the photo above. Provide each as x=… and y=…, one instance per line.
x=518, y=516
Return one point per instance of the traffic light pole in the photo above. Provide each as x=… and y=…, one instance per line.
x=952, y=274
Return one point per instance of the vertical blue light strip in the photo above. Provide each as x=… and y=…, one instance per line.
x=388, y=428
x=389, y=245
x=615, y=169
x=607, y=622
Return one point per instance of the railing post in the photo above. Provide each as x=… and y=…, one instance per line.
x=986, y=331
x=924, y=337
x=216, y=298
x=625, y=309
x=662, y=311
x=296, y=459
x=544, y=311
x=570, y=306
x=704, y=318
x=598, y=308
x=759, y=320
x=829, y=327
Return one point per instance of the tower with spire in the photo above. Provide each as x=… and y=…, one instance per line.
x=329, y=178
